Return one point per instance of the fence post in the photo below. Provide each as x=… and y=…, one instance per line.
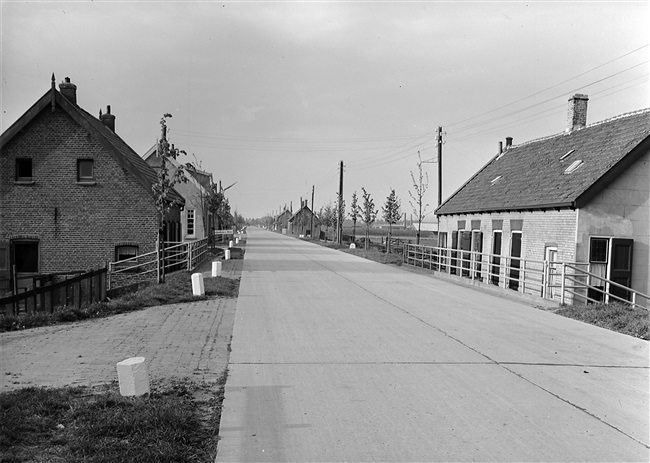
x=563, y=283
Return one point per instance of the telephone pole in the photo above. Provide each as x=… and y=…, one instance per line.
x=311, y=227
x=439, y=161
x=439, y=166
x=339, y=215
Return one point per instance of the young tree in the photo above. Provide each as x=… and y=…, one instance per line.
x=420, y=187
x=165, y=183
x=368, y=213
x=355, y=214
x=392, y=214
x=327, y=217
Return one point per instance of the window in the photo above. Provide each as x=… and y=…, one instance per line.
x=566, y=155
x=573, y=167
x=190, y=222
x=125, y=252
x=85, y=170
x=24, y=169
x=598, y=250
x=26, y=256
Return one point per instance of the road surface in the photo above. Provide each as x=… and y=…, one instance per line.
x=335, y=358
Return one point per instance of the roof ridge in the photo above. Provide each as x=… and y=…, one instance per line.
x=593, y=124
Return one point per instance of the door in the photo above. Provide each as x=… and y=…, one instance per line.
x=620, y=270
x=5, y=268
x=25, y=256
x=477, y=248
x=496, y=258
x=466, y=247
x=550, y=256
x=515, y=254
x=454, y=246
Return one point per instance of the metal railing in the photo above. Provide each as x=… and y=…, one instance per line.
x=173, y=256
x=565, y=282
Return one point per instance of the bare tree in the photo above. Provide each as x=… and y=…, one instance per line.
x=420, y=187
x=392, y=214
x=368, y=213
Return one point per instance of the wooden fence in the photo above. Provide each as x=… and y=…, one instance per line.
x=48, y=296
x=173, y=256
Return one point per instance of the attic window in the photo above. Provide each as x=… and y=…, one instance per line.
x=573, y=167
x=495, y=180
x=566, y=155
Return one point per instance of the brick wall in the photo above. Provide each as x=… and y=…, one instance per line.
x=77, y=225
x=539, y=230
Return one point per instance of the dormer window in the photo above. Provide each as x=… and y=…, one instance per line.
x=24, y=170
x=567, y=155
x=573, y=167
x=85, y=170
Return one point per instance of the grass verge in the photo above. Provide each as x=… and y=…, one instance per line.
x=176, y=289
x=178, y=421
x=616, y=317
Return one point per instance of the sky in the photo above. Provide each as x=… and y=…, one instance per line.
x=273, y=95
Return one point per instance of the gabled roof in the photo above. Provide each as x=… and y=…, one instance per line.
x=117, y=147
x=535, y=175
x=303, y=208
x=199, y=178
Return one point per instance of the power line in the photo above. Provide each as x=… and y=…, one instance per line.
x=549, y=88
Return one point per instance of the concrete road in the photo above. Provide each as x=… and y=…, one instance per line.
x=335, y=358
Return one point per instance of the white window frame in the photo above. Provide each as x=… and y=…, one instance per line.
x=190, y=218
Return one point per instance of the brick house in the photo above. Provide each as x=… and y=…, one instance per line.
x=578, y=196
x=194, y=226
x=73, y=194
x=282, y=221
x=301, y=222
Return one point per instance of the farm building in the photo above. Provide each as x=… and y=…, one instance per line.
x=303, y=220
x=73, y=194
x=578, y=196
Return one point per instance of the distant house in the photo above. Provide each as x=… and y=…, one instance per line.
x=282, y=221
x=196, y=220
x=303, y=220
x=73, y=194
x=578, y=196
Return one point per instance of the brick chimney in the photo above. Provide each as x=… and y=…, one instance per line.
x=108, y=119
x=508, y=142
x=68, y=90
x=577, y=115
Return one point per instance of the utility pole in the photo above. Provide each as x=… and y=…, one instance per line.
x=439, y=166
x=339, y=215
x=439, y=161
x=311, y=227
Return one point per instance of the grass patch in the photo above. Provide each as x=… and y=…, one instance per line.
x=176, y=289
x=178, y=421
x=615, y=316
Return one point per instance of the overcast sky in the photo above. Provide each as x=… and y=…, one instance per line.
x=272, y=95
